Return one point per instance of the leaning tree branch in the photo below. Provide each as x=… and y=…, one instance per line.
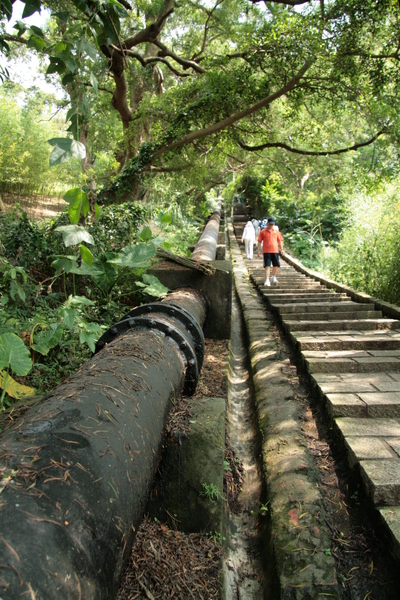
x=147, y=60
x=216, y=127
x=151, y=32
x=311, y=152
x=185, y=63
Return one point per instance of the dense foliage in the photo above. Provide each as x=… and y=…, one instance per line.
x=62, y=285
x=367, y=256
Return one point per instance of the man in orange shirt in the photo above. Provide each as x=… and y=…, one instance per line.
x=272, y=241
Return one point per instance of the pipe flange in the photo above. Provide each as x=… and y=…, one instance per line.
x=113, y=332
x=192, y=368
x=147, y=322
x=179, y=313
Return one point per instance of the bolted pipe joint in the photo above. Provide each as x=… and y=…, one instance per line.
x=179, y=317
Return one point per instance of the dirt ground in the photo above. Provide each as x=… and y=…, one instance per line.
x=164, y=562
x=39, y=207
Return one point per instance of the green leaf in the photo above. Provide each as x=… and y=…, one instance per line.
x=65, y=263
x=71, y=64
x=154, y=287
x=78, y=204
x=48, y=338
x=16, y=288
x=31, y=7
x=103, y=273
x=163, y=219
x=64, y=149
x=78, y=301
x=135, y=257
x=14, y=354
x=145, y=234
x=89, y=339
x=20, y=27
x=37, y=31
x=36, y=42
x=74, y=127
x=74, y=234
x=86, y=255
x=85, y=46
x=68, y=78
x=90, y=333
x=6, y=9
x=62, y=15
x=68, y=316
x=57, y=65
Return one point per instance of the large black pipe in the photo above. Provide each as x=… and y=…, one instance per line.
x=77, y=469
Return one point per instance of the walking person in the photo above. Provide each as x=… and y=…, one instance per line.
x=249, y=238
x=271, y=241
x=256, y=225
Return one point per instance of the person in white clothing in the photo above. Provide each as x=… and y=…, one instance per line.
x=248, y=238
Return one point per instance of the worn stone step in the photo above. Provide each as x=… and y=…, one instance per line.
x=299, y=293
x=373, y=405
x=350, y=342
x=318, y=307
x=357, y=383
x=342, y=325
x=281, y=287
x=350, y=315
x=374, y=444
x=357, y=362
x=291, y=298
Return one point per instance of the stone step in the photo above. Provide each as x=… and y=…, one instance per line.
x=287, y=277
x=295, y=293
x=342, y=325
x=294, y=289
x=357, y=383
x=374, y=444
x=355, y=362
x=350, y=342
x=350, y=316
x=372, y=405
x=316, y=307
x=290, y=297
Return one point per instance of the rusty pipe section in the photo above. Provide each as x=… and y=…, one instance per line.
x=206, y=247
x=76, y=469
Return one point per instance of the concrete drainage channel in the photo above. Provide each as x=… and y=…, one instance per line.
x=242, y=565
x=296, y=529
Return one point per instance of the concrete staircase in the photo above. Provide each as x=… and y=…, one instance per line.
x=352, y=354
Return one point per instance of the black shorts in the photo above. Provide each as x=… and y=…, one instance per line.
x=271, y=257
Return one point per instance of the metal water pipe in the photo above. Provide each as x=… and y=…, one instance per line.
x=76, y=469
x=206, y=247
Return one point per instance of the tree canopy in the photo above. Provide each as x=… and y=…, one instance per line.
x=206, y=88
